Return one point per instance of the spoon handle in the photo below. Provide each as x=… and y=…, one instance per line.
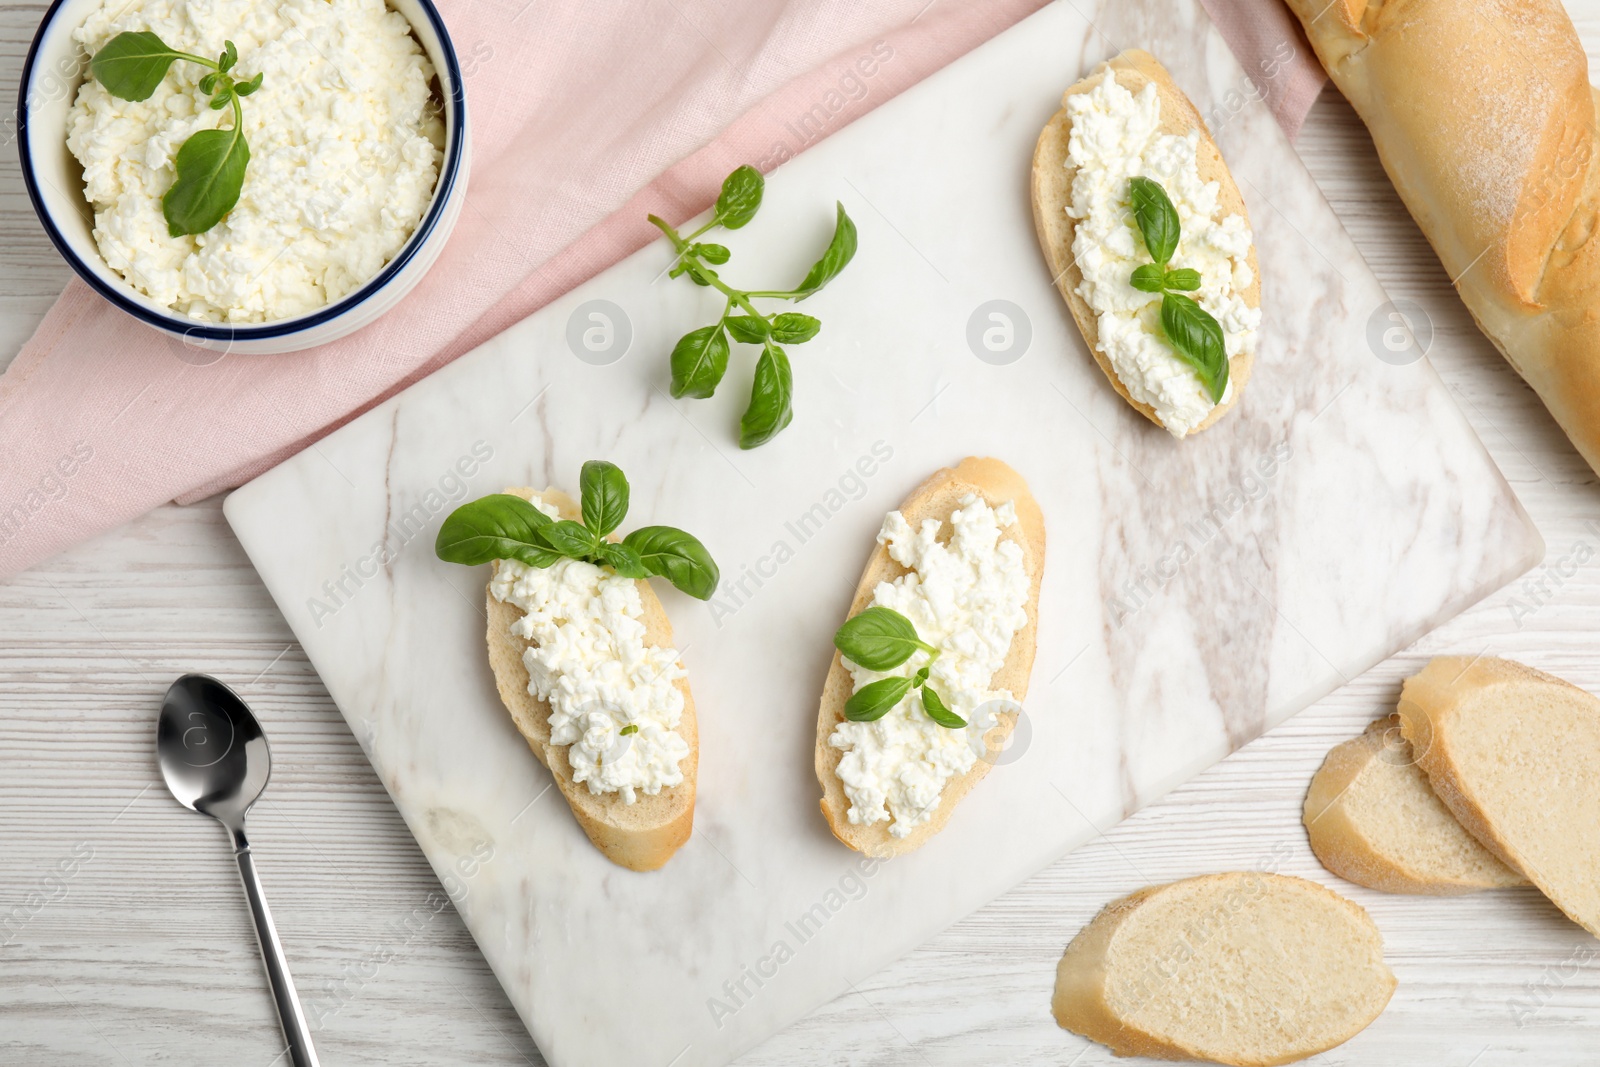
x=290, y=1014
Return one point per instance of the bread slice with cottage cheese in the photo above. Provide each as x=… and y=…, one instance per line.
x=1053, y=174
x=1374, y=820
x=642, y=835
x=936, y=498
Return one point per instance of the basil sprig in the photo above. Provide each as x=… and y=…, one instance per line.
x=700, y=358
x=881, y=639
x=503, y=526
x=1189, y=328
x=210, y=165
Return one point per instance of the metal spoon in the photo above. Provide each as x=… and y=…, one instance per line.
x=215, y=760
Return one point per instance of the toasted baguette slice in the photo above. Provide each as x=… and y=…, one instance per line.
x=937, y=497
x=1374, y=819
x=1053, y=173
x=643, y=835
x=1243, y=968
x=1515, y=755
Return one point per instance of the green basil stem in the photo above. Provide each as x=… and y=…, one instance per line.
x=692, y=265
x=198, y=59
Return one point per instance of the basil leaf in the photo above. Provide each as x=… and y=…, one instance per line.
x=246, y=88
x=699, y=360
x=741, y=196
x=571, y=539
x=711, y=253
x=921, y=677
x=793, y=328
x=1185, y=278
x=604, y=490
x=872, y=701
x=748, y=329
x=1197, y=337
x=771, y=399
x=501, y=526
x=624, y=560
x=677, y=557
x=210, y=168
x=841, y=250
x=228, y=58
x=1148, y=278
x=878, y=639
x=938, y=712
x=536, y=556
x=132, y=64
x=1156, y=217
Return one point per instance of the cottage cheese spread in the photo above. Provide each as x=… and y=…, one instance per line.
x=1115, y=136
x=588, y=660
x=344, y=153
x=966, y=598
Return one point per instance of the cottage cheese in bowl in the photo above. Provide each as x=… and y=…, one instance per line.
x=345, y=140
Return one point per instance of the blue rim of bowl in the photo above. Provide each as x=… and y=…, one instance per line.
x=172, y=324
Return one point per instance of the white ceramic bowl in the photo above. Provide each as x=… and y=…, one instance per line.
x=56, y=67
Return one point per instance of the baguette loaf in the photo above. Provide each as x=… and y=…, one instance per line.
x=935, y=498
x=1052, y=177
x=643, y=835
x=1373, y=819
x=1243, y=968
x=1484, y=118
x=1515, y=755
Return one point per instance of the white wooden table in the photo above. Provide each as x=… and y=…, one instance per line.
x=141, y=952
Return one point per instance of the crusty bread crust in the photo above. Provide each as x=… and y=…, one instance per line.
x=1342, y=844
x=1053, y=173
x=1432, y=703
x=1486, y=123
x=1081, y=1002
x=643, y=835
x=937, y=497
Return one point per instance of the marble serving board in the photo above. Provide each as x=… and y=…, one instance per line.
x=1196, y=593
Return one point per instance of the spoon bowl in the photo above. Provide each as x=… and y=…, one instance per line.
x=212, y=751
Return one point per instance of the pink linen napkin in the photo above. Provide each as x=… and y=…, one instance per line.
x=585, y=117
x=1267, y=40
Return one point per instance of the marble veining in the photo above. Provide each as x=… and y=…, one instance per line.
x=1195, y=594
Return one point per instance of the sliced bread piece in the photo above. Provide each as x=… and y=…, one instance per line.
x=938, y=496
x=1373, y=819
x=643, y=835
x=1242, y=968
x=1514, y=753
x=1052, y=177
